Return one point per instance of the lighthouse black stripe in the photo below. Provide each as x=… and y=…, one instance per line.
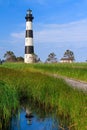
x=29, y=17
x=29, y=49
x=29, y=33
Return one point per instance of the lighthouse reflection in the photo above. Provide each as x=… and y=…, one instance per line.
x=29, y=116
x=29, y=121
x=34, y=117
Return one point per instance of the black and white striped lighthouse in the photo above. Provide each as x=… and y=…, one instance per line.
x=29, y=47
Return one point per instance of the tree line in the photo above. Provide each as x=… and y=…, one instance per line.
x=68, y=55
x=9, y=56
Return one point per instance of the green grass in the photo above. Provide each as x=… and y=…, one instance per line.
x=76, y=71
x=8, y=102
x=26, y=81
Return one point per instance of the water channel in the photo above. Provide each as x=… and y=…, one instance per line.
x=33, y=118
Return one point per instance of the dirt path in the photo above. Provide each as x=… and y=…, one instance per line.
x=77, y=84
x=74, y=83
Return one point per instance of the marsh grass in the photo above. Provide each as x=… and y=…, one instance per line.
x=27, y=81
x=76, y=71
x=8, y=102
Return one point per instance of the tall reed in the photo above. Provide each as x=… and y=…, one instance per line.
x=8, y=102
x=74, y=70
x=70, y=104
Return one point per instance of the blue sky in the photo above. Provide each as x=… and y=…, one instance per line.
x=58, y=25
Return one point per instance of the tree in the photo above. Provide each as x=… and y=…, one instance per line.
x=10, y=56
x=51, y=58
x=36, y=58
x=0, y=61
x=19, y=59
x=69, y=54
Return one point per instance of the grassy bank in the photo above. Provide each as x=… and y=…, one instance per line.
x=25, y=81
x=8, y=102
x=76, y=71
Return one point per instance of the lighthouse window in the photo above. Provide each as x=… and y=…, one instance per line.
x=29, y=11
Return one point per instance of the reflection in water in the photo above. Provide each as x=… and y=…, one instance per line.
x=20, y=122
x=29, y=115
x=32, y=117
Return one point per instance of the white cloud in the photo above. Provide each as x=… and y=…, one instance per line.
x=54, y=33
x=74, y=32
x=18, y=35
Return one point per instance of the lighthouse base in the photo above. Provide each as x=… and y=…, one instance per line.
x=29, y=58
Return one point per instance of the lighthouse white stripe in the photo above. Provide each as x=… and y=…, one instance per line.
x=28, y=41
x=28, y=58
x=28, y=25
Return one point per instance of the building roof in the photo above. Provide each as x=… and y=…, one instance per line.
x=66, y=58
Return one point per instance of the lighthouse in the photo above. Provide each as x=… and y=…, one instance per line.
x=29, y=47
